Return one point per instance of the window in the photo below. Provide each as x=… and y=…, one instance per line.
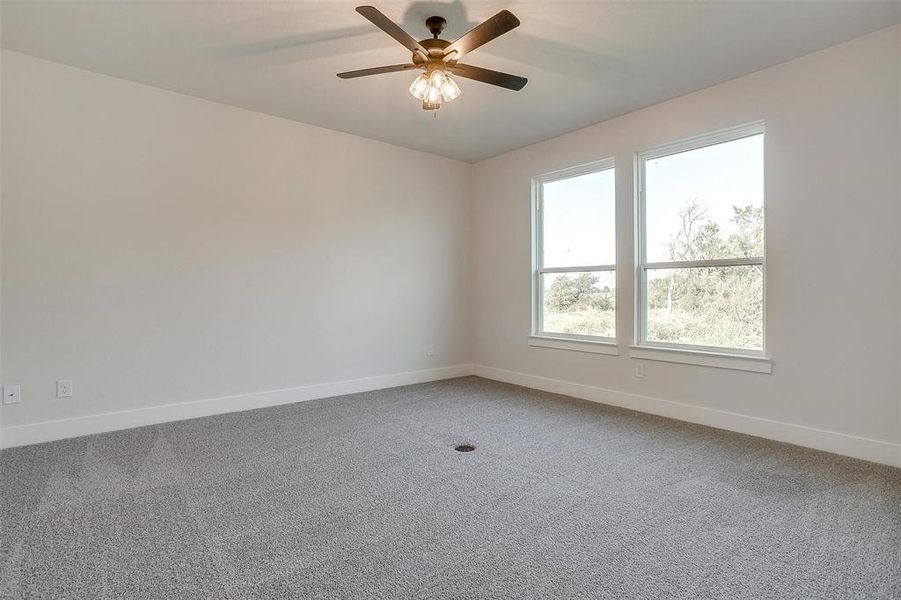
x=574, y=278
x=701, y=244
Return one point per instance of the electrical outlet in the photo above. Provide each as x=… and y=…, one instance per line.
x=430, y=350
x=12, y=394
x=64, y=388
x=639, y=370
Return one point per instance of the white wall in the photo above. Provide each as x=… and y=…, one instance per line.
x=158, y=248
x=898, y=183
x=832, y=199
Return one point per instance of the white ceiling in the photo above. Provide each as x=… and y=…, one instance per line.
x=586, y=60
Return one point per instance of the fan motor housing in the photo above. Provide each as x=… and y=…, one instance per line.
x=434, y=46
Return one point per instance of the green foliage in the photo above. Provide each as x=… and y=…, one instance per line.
x=720, y=306
x=581, y=292
x=582, y=323
x=577, y=304
x=748, y=241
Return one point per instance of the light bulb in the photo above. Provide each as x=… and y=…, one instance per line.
x=420, y=86
x=437, y=78
x=433, y=95
x=449, y=89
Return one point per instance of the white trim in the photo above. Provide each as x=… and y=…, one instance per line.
x=699, y=349
x=537, y=206
x=703, y=140
x=640, y=319
x=745, y=261
x=829, y=441
x=594, y=346
x=878, y=451
x=595, y=166
x=585, y=269
x=738, y=362
x=45, y=431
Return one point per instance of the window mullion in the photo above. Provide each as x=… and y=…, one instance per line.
x=585, y=269
x=709, y=263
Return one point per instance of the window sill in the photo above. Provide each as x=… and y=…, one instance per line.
x=562, y=343
x=738, y=362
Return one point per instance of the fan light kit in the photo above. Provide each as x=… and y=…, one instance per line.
x=433, y=87
x=438, y=58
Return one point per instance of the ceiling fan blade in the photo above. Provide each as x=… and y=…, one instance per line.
x=377, y=71
x=483, y=33
x=392, y=29
x=504, y=80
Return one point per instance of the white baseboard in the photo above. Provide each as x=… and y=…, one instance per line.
x=829, y=441
x=46, y=431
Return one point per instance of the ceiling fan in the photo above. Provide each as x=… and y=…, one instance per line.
x=439, y=58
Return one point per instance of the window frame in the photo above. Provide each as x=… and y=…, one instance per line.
x=569, y=341
x=642, y=266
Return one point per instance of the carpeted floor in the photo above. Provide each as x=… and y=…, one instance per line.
x=364, y=497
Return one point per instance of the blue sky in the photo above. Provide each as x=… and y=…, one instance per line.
x=579, y=227
x=719, y=177
x=579, y=212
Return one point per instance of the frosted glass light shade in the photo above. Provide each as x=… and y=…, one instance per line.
x=433, y=95
x=449, y=89
x=420, y=87
x=433, y=87
x=437, y=78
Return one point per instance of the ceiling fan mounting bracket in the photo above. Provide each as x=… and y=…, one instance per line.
x=436, y=25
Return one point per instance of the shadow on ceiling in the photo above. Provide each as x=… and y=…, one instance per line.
x=530, y=51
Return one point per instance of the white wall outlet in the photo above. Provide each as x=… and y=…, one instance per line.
x=430, y=350
x=64, y=388
x=639, y=370
x=12, y=394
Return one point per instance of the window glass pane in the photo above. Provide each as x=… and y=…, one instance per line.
x=705, y=203
x=706, y=306
x=579, y=228
x=580, y=303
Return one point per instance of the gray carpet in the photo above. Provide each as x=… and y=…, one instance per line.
x=363, y=497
